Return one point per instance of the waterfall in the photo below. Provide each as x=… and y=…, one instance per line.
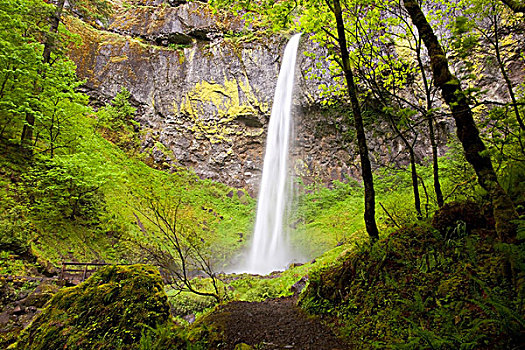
x=270, y=248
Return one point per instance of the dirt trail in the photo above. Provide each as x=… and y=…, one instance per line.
x=273, y=324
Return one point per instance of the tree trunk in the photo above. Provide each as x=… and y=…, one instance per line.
x=430, y=123
x=415, y=186
x=27, y=131
x=413, y=169
x=54, y=22
x=366, y=169
x=467, y=131
x=515, y=5
x=435, y=165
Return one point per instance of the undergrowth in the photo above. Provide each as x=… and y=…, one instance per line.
x=419, y=289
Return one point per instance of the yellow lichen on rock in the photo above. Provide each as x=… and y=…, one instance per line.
x=227, y=104
x=120, y=58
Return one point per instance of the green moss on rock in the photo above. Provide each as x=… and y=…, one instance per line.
x=111, y=310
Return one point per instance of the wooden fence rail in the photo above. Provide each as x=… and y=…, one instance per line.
x=83, y=268
x=78, y=272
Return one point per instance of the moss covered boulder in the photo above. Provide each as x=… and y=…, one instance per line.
x=108, y=311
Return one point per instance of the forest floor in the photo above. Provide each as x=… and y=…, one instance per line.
x=272, y=324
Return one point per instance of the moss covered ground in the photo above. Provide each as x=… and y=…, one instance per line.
x=38, y=225
x=422, y=288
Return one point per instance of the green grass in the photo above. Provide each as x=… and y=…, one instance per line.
x=107, y=233
x=246, y=287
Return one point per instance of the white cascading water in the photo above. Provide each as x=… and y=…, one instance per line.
x=270, y=248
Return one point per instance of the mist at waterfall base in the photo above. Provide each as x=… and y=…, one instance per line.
x=270, y=248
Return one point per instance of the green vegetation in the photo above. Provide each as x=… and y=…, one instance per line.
x=67, y=191
x=111, y=309
x=420, y=288
x=82, y=205
x=76, y=185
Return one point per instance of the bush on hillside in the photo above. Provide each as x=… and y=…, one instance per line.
x=420, y=289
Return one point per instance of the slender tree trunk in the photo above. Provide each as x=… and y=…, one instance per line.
x=413, y=169
x=435, y=165
x=430, y=121
x=366, y=169
x=27, y=131
x=415, y=185
x=467, y=131
x=501, y=66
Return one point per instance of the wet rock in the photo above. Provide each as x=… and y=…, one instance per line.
x=209, y=102
x=189, y=318
x=298, y=286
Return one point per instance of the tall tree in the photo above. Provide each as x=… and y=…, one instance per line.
x=49, y=43
x=489, y=30
x=388, y=62
x=22, y=29
x=467, y=131
x=317, y=16
x=366, y=169
x=89, y=9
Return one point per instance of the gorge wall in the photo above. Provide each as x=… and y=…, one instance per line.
x=204, y=88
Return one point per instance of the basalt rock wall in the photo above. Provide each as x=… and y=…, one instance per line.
x=204, y=90
x=204, y=86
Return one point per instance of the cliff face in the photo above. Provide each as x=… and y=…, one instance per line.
x=204, y=90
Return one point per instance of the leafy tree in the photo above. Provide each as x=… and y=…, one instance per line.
x=485, y=35
x=67, y=187
x=366, y=169
x=55, y=43
x=312, y=17
x=119, y=113
x=116, y=121
x=388, y=62
x=38, y=97
x=61, y=106
x=384, y=74
x=486, y=38
x=467, y=131
x=21, y=29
